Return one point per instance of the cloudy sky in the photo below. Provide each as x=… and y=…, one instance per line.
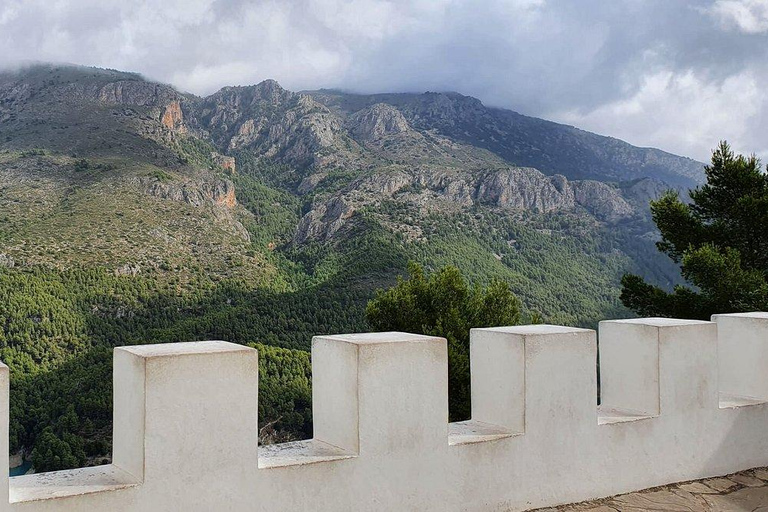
x=674, y=74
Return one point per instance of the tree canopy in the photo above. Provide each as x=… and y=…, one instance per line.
x=444, y=304
x=720, y=239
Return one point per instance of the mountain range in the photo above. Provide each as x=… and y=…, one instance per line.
x=278, y=189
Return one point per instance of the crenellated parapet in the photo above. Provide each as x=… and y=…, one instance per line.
x=680, y=400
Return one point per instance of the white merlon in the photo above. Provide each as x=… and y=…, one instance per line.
x=681, y=400
x=743, y=354
x=654, y=364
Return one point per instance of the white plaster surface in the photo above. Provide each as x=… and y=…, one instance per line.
x=473, y=431
x=60, y=484
x=294, y=453
x=383, y=441
x=607, y=414
x=743, y=357
x=659, y=321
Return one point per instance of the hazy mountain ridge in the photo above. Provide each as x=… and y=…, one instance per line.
x=526, y=141
x=271, y=119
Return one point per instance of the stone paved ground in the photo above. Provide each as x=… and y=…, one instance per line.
x=744, y=491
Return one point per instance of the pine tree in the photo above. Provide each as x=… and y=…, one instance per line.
x=444, y=304
x=720, y=239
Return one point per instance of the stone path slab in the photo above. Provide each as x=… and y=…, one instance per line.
x=746, y=491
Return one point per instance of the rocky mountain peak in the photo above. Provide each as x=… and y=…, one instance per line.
x=250, y=97
x=448, y=107
x=377, y=121
x=267, y=119
x=73, y=84
x=270, y=89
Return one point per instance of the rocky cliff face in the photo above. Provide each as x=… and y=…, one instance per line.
x=125, y=92
x=378, y=121
x=102, y=88
x=173, y=118
x=91, y=112
x=226, y=163
x=514, y=189
x=214, y=195
x=641, y=192
x=602, y=200
x=198, y=193
x=324, y=220
x=529, y=189
x=16, y=88
x=270, y=121
x=524, y=189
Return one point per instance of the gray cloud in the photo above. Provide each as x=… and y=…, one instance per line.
x=678, y=74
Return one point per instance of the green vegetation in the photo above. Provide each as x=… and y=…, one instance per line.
x=161, y=175
x=719, y=239
x=60, y=327
x=285, y=394
x=83, y=165
x=444, y=304
x=275, y=212
x=195, y=151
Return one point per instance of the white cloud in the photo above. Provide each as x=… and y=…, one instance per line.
x=749, y=16
x=302, y=43
x=685, y=112
x=8, y=12
x=613, y=66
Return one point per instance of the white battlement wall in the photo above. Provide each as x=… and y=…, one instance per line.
x=681, y=400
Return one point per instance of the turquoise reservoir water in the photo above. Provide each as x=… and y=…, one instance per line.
x=21, y=470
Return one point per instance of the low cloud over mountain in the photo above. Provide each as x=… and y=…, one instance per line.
x=677, y=75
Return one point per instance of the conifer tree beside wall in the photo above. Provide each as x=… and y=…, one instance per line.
x=444, y=304
x=720, y=240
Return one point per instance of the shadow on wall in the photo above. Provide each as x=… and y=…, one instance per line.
x=743, y=384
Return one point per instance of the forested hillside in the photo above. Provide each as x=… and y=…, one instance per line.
x=132, y=213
